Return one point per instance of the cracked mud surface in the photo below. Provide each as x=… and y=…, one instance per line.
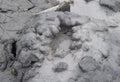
x=59, y=46
x=13, y=14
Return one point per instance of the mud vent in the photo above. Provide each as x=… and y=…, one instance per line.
x=62, y=40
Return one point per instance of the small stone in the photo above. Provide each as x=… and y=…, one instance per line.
x=75, y=45
x=65, y=6
x=60, y=53
x=27, y=59
x=85, y=47
x=87, y=64
x=60, y=67
x=111, y=4
x=14, y=72
x=88, y=0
